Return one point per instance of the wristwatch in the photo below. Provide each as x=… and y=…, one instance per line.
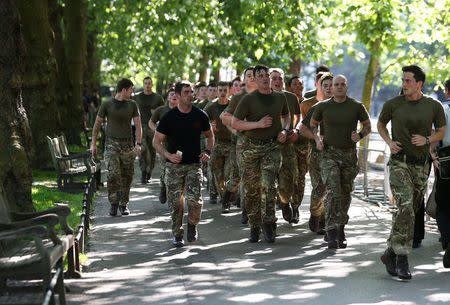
x=427, y=139
x=207, y=151
x=138, y=143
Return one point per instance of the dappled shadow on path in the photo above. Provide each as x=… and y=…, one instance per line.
x=132, y=261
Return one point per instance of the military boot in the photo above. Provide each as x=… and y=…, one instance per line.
x=113, y=209
x=144, y=177
x=332, y=239
x=191, y=233
x=269, y=234
x=342, y=241
x=295, y=215
x=213, y=198
x=254, y=234
x=162, y=195
x=446, y=259
x=313, y=223
x=389, y=258
x=226, y=202
x=403, y=267
x=244, y=217
x=287, y=211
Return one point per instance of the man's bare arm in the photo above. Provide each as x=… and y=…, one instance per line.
x=95, y=130
x=394, y=146
x=152, y=125
x=246, y=125
x=226, y=118
x=138, y=125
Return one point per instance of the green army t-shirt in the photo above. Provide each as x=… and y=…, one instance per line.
x=412, y=117
x=339, y=120
x=293, y=106
x=214, y=109
x=254, y=106
x=159, y=112
x=307, y=122
x=146, y=103
x=234, y=101
x=119, y=115
x=202, y=104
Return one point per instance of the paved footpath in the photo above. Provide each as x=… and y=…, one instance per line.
x=132, y=261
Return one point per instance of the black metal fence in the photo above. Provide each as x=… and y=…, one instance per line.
x=79, y=242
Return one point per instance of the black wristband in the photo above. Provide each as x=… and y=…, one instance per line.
x=207, y=151
x=138, y=143
x=360, y=135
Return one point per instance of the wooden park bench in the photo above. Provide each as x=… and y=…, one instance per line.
x=30, y=249
x=69, y=165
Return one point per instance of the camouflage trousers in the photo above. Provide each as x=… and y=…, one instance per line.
x=239, y=150
x=316, y=207
x=119, y=159
x=302, y=156
x=235, y=178
x=183, y=183
x=260, y=165
x=408, y=184
x=148, y=153
x=162, y=167
x=288, y=173
x=221, y=166
x=339, y=168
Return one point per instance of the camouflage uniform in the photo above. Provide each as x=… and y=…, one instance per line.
x=221, y=165
x=408, y=197
x=260, y=163
x=301, y=149
x=318, y=188
x=183, y=180
x=234, y=168
x=339, y=167
x=162, y=167
x=288, y=173
x=119, y=158
x=148, y=153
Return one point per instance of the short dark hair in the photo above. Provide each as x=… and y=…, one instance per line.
x=170, y=90
x=260, y=68
x=447, y=84
x=200, y=84
x=325, y=76
x=147, y=77
x=124, y=83
x=322, y=68
x=250, y=68
x=180, y=85
x=212, y=84
x=419, y=75
x=222, y=83
x=289, y=82
x=236, y=78
x=319, y=75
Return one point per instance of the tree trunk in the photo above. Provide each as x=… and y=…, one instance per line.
x=295, y=66
x=15, y=132
x=64, y=92
x=92, y=72
x=369, y=81
x=203, y=66
x=38, y=89
x=215, y=74
x=75, y=17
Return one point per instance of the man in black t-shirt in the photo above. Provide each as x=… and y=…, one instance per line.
x=182, y=127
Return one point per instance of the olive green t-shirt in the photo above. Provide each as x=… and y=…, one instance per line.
x=119, y=115
x=214, y=109
x=339, y=120
x=307, y=122
x=234, y=101
x=202, y=104
x=412, y=117
x=255, y=105
x=146, y=103
x=293, y=105
x=310, y=93
x=159, y=112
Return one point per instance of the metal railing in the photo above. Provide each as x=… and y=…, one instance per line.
x=79, y=241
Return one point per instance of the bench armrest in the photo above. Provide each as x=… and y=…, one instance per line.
x=31, y=231
x=62, y=210
x=49, y=219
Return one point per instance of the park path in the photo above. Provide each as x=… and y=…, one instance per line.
x=132, y=261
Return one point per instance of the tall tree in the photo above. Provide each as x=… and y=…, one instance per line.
x=15, y=132
x=38, y=88
x=75, y=13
